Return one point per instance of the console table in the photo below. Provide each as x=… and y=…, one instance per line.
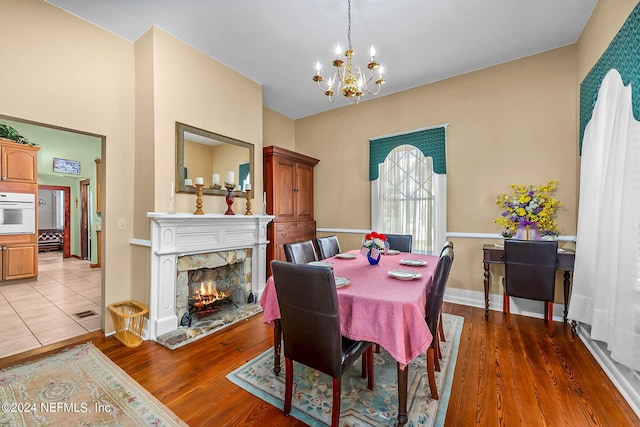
x=494, y=254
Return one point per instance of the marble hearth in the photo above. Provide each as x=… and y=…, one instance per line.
x=176, y=237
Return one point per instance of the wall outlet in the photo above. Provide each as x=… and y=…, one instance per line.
x=122, y=224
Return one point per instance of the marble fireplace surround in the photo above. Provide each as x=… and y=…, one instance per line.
x=181, y=234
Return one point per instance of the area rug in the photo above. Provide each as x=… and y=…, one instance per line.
x=360, y=406
x=77, y=387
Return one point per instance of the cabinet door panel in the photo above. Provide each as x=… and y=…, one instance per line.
x=284, y=208
x=20, y=261
x=304, y=192
x=18, y=164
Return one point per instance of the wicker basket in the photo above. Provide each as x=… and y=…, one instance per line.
x=128, y=320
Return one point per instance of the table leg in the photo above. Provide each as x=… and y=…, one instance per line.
x=567, y=288
x=486, y=291
x=277, y=339
x=403, y=375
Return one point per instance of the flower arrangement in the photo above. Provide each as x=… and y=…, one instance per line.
x=373, y=244
x=529, y=205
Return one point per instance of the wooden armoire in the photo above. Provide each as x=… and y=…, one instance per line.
x=288, y=182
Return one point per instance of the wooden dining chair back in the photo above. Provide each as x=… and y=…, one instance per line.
x=530, y=272
x=327, y=246
x=400, y=242
x=435, y=298
x=310, y=319
x=300, y=252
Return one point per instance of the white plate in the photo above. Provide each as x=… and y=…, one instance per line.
x=404, y=274
x=413, y=262
x=392, y=252
x=342, y=281
x=320, y=263
x=346, y=256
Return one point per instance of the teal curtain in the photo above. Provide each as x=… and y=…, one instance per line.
x=623, y=54
x=243, y=172
x=431, y=142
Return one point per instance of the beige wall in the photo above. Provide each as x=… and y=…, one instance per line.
x=60, y=70
x=278, y=129
x=512, y=123
x=194, y=89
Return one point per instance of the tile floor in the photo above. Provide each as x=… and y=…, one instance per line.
x=41, y=312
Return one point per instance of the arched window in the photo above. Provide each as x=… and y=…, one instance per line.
x=408, y=195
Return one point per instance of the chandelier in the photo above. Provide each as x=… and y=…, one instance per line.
x=352, y=81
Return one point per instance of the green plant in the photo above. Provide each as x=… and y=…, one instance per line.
x=8, y=132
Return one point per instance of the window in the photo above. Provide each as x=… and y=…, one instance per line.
x=408, y=195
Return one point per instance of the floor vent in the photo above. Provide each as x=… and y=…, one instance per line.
x=84, y=314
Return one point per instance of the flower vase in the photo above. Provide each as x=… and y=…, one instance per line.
x=372, y=260
x=528, y=232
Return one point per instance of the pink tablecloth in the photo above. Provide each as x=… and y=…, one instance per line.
x=376, y=307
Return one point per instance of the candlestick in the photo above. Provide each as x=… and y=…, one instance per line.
x=199, y=210
x=264, y=203
x=172, y=201
x=229, y=198
x=248, y=196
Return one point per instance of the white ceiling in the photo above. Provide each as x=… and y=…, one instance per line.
x=276, y=43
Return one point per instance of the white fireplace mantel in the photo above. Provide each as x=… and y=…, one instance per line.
x=175, y=235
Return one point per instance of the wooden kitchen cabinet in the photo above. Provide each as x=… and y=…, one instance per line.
x=18, y=162
x=288, y=181
x=19, y=174
x=19, y=261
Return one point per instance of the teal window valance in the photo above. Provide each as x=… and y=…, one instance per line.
x=623, y=55
x=431, y=142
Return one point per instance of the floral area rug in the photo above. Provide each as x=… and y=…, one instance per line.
x=360, y=406
x=77, y=387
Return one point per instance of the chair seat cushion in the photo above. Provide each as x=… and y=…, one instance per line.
x=352, y=350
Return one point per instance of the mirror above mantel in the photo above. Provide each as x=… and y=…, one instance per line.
x=214, y=157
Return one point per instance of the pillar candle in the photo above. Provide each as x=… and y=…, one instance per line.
x=216, y=179
x=231, y=177
x=199, y=180
x=188, y=182
x=247, y=187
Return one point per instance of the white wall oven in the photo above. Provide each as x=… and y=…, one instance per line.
x=17, y=213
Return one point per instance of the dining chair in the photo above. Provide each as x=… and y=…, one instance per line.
x=447, y=244
x=433, y=309
x=327, y=246
x=400, y=242
x=310, y=319
x=530, y=272
x=300, y=252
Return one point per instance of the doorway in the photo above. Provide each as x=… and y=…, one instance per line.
x=85, y=220
x=54, y=212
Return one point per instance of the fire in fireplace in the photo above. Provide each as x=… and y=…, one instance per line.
x=207, y=299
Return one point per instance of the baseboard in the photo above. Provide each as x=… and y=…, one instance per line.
x=626, y=380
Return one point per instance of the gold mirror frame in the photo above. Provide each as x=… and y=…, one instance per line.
x=181, y=128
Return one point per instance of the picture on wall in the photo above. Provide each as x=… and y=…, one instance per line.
x=66, y=166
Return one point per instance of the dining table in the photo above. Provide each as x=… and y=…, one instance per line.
x=383, y=304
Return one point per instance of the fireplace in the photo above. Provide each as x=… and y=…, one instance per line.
x=229, y=250
x=210, y=284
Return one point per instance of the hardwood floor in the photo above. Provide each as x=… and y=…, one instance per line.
x=503, y=377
